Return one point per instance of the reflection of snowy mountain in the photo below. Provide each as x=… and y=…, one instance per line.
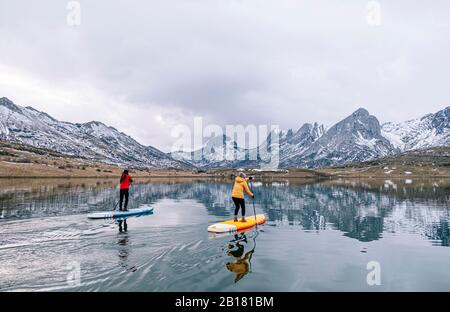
x=358, y=210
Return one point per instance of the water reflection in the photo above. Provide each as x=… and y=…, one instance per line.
x=241, y=263
x=124, y=247
x=439, y=233
x=365, y=229
x=313, y=231
x=123, y=250
x=123, y=226
x=362, y=210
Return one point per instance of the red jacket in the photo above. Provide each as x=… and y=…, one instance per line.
x=125, y=182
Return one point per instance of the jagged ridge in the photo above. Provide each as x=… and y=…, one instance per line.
x=357, y=138
x=93, y=140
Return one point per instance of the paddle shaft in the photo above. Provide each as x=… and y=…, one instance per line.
x=253, y=201
x=254, y=238
x=115, y=206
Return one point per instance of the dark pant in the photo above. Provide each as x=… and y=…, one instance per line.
x=239, y=203
x=123, y=193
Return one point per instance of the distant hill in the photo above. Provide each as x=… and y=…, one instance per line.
x=418, y=164
x=93, y=140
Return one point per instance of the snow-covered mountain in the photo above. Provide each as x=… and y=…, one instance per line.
x=429, y=131
x=223, y=152
x=93, y=140
x=219, y=152
x=354, y=139
x=293, y=143
x=357, y=138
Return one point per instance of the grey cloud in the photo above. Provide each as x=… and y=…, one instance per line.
x=282, y=62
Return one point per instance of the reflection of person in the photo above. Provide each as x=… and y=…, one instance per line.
x=125, y=182
x=123, y=243
x=123, y=226
x=241, y=265
x=240, y=185
x=318, y=221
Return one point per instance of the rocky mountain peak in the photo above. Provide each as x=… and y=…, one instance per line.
x=4, y=101
x=358, y=123
x=441, y=120
x=360, y=112
x=97, y=126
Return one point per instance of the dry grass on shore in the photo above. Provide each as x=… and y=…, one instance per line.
x=18, y=161
x=431, y=162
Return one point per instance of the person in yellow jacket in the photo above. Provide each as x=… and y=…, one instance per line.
x=240, y=185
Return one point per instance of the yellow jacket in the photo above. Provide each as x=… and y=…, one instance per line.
x=240, y=185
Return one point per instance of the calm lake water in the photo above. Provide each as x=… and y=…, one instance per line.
x=319, y=236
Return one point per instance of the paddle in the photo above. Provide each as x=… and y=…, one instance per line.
x=256, y=231
x=253, y=249
x=115, y=206
x=253, y=201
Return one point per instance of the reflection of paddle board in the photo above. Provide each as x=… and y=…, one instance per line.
x=120, y=214
x=225, y=234
x=231, y=226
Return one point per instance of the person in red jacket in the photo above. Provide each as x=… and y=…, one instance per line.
x=125, y=182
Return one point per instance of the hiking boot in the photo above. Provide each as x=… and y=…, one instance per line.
x=235, y=219
x=243, y=220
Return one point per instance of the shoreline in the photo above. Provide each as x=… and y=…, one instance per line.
x=214, y=176
x=19, y=161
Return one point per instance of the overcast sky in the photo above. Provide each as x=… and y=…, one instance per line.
x=145, y=66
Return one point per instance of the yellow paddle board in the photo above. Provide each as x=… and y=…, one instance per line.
x=231, y=226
